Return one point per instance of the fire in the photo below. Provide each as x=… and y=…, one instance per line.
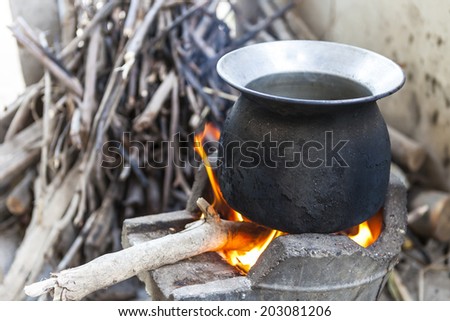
x=244, y=260
x=364, y=234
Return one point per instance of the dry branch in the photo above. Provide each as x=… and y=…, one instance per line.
x=47, y=60
x=397, y=287
x=30, y=256
x=67, y=18
x=405, y=151
x=8, y=114
x=20, y=200
x=22, y=117
x=146, y=119
x=97, y=240
x=205, y=235
x=279, y=26
x=430, y=216
x=81, y=124
x=20, y=152
x=4, y=212
x=130, y=21
x=298, y=25
x=99, y=16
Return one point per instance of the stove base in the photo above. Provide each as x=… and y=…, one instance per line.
x=293, y=267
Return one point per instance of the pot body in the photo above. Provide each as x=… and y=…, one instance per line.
x=301, y=170
x=305, y=148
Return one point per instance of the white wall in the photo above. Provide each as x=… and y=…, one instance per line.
x=415, y=34
x=11, y=81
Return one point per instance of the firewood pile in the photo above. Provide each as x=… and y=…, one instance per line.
x=88, y=145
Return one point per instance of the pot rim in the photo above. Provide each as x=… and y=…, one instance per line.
x=380, y=75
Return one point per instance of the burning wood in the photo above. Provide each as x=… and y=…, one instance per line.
x=243, y=259
x=210, y=233
x=366, y=233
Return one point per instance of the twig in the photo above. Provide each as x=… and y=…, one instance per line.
x=135, y=43
x=174, y=120
x=46, y=129
x=252, y=33
x=153, y=108
x=279, y=27
x=48, y=61
x=205, y=21
x=58, y=150
x=220, y=94
x=418, y=245
x=88, y=107
x=104, y=12
x=134, y=167
x=434, y=266
x=128, y=26
x=175, y=23
x=62, y=224
x=98, y=237
x=23, y=113
x=194, y=82
x=398, y=288
x=143, y=83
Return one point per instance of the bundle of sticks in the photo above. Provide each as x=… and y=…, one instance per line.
x=74, y=156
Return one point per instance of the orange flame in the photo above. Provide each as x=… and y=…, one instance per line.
x=244, y=260
x=364, y=234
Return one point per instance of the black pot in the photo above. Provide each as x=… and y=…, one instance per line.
x=305, y=147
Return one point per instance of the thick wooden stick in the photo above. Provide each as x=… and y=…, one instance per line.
x=22, y=117
x=4, y=212
x=430, y=214
x=42, y=234
x=82, y=119
x=299, y=27
x=20, y=152
x=153, y=108
x=405, y=151
x=205, y=235
x=20, y=200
